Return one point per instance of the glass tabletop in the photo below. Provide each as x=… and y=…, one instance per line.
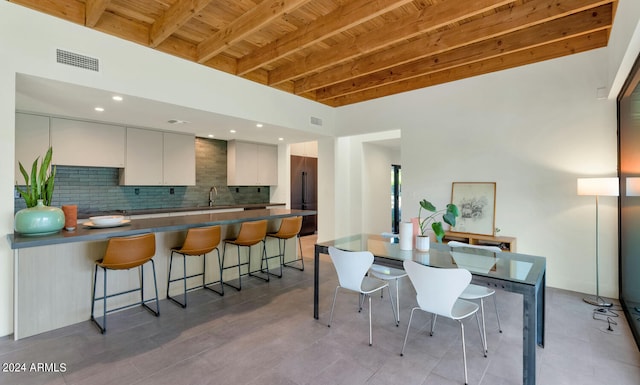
x=506, y=266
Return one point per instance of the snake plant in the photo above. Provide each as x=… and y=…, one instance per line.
x=38, y=184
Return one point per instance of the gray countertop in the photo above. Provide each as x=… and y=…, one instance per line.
x=246, y=206
x=151, y=225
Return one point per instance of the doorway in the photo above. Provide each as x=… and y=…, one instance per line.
x=396, y=201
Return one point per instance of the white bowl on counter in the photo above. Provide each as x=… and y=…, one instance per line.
x=107, y=220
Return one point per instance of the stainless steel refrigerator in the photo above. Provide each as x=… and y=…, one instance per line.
x=304, y=190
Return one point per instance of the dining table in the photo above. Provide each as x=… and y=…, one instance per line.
x=514, y=272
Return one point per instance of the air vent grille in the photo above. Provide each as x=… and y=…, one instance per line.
x=316, y=121
x=77, y=60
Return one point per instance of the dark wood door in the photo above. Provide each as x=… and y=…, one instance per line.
x=304, y=190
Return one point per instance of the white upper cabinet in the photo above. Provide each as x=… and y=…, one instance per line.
x=251, y=164
x=179, y=159
x=32, y=141
x=80, y=143
x=156, y=158
x=144, y=158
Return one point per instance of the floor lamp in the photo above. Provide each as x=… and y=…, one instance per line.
x=598, y=187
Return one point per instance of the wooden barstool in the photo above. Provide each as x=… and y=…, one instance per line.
x=250, y=234
x=123, y=254
x=199, y=242
x=289, y=228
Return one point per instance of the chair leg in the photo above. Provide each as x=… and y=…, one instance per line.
x=393, y=307
x=495, y=303
x=464, y=352
x=155, y=285
x=103, y=327
x=370, y=333
x=483, y=336
x=301, y=260
x=182, y=304
x=263, y=258
x=407, y=333
x=204, y=269
x=224, y=253
x=335, y=294
x=433, y=323
x=397, y=302
x=483, y=333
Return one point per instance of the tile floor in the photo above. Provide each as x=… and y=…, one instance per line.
x=266, y=334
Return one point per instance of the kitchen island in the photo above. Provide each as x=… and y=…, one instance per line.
x=53, y=274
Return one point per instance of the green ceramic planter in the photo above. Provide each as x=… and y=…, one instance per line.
x=39, y=220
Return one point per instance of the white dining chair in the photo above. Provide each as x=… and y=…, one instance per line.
x=438, y=292
x=477, y=292
x=390, y=274
x=352, y=267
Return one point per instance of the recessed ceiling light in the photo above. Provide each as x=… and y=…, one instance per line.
x=232, y=131
x=259, y=125
x=280, y=138
x=99, y=109
x=211, y=135
x=117, y=98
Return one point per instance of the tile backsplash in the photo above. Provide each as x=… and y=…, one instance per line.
x=96, y=189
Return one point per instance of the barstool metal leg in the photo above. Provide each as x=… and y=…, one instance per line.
x=204, y=269
x=301, y=260
x=263, y=258
x=224, y=253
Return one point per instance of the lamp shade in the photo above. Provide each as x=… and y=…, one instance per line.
x=598, y=186
x=633, y=186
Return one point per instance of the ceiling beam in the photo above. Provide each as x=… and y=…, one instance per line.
x=256, y=18
x=93, y=10
x=551, y=51
x=173, y=18
x=589, y=21
x=70, y=10
x=341, y=19
x=513, y=19
x=431, y=18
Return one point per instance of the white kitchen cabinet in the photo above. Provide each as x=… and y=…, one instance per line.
x=251, y=164
x=156, y=158
x=81, y=143
x=32, y=141
x=179, y=159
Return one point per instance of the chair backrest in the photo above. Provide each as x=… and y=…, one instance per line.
x=494, y=249
x=289, y=227
x=201, y=240
x=251, y=233
x=437, y=289
x=351, y=266
x=128, y=252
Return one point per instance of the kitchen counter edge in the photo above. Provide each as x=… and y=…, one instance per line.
x=151, y=225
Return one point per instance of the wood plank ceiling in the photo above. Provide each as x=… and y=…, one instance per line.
x=340, y=52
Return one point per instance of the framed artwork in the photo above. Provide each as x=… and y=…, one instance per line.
x=476, y=202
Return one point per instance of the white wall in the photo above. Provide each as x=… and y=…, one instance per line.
x=533, y=130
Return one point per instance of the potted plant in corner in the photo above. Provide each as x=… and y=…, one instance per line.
x=38, y=218
x=449, y=215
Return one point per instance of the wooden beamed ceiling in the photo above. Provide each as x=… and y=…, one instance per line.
x=340, y=52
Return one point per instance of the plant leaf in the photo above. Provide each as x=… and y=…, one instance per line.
x=425, y=204
x=438, y=230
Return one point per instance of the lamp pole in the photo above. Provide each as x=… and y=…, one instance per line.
x=597, y=300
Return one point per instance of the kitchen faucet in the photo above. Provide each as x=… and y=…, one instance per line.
x=213, y=194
